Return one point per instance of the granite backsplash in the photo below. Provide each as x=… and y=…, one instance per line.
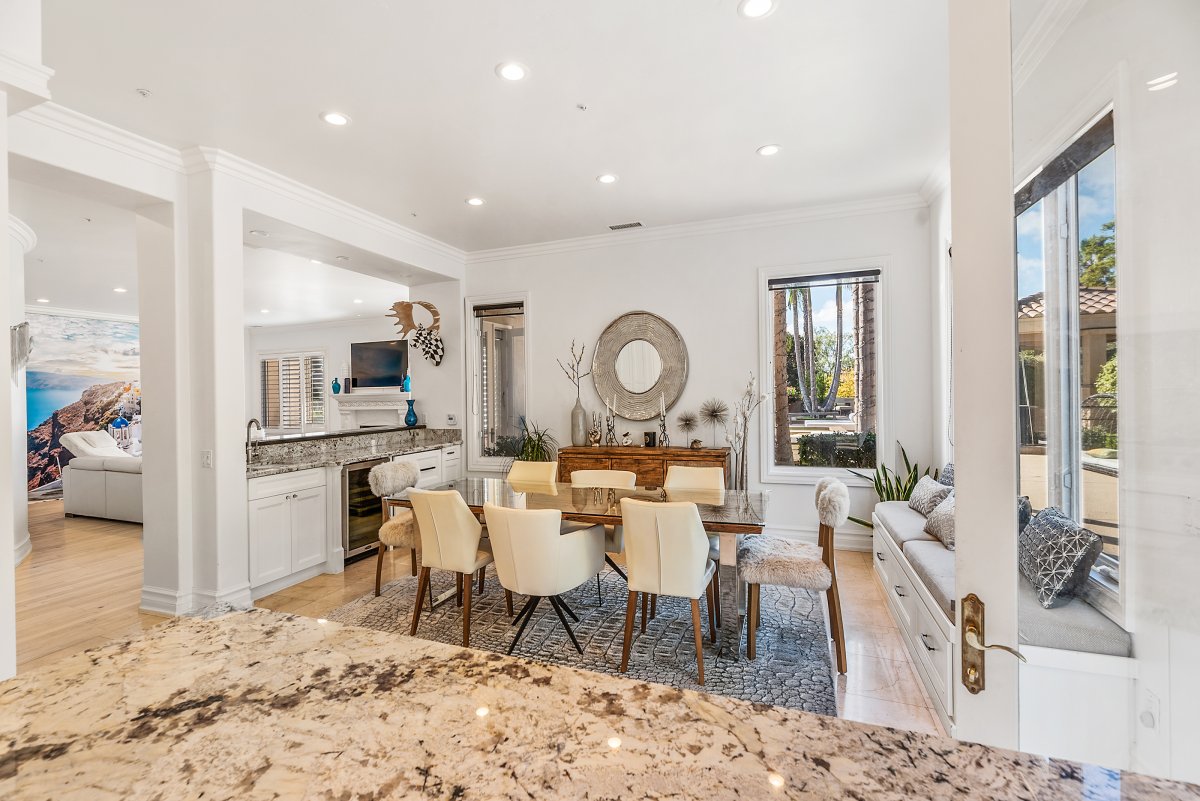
x=353, y=446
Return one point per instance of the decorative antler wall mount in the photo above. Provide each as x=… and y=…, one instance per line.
x=427, y=338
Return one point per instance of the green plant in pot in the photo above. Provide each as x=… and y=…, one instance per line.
x=536, y=444
x=892, y=485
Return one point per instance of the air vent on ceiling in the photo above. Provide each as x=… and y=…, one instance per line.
x=623, y=226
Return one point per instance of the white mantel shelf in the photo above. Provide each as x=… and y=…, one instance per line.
x=350, y=405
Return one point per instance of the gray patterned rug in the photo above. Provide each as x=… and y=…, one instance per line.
x=793, y=667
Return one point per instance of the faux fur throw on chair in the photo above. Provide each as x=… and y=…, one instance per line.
x=833, y=505
x=392, y=478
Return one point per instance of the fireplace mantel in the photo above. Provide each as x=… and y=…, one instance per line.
x=352, y=408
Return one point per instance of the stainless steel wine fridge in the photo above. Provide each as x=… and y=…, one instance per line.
x=362, y=512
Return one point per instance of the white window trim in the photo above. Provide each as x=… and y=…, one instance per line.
x=769, y=472
x=279, y=354
x=476, y=461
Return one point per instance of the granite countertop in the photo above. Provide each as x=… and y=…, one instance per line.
x=274, y=457
x=259, y=705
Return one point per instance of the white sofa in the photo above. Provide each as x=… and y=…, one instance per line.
x=102, y=480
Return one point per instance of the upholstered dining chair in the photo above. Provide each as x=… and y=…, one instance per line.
x=800, y=565
x=667, y=554
x=536, y=558
x=533, y=472
x=694, y=483
x=607, y=479
x=399, y=529
x=450, y=540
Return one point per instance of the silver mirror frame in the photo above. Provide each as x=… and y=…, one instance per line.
x=672, y=351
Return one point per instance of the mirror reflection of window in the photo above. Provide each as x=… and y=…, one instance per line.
x=638, y=366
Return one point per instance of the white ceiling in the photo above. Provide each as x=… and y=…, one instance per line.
x=86, y=247
x=679, y=94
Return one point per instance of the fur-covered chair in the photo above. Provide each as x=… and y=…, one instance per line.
x=399, y=530
x=801, y=565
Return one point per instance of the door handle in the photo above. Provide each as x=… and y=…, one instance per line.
x=971, y=638
x=974, y=645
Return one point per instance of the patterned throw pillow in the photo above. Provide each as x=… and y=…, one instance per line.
x=927, y=495
x=941, y=522
x=1056, y=555
x=1024, y=512
x=947, y=475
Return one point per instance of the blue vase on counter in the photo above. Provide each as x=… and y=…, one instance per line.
x=337, y=387
x=407, y=382
x=410, y=419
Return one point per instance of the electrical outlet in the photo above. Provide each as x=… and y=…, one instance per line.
x=452, y=420
x=206, y=459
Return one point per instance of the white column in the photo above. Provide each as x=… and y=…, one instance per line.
x=218, y=391
x=21, y=240
x=8, y=598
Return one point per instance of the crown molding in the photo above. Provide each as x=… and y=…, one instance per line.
x=204, y=158
x=937, y=183
x=1047, y=28
x=751, y=222
x=90, y=129
x=30, y=82
x=55, y=311
x=19, y=230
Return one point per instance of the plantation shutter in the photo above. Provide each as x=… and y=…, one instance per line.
x=293, y=392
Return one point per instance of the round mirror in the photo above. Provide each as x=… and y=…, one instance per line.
x=638, y=366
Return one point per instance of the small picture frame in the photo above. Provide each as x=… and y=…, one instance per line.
x=649, y=438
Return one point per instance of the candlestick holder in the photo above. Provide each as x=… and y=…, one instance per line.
x=664, y=441
x=610, y=431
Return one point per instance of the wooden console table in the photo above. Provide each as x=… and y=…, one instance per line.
x=650, y=464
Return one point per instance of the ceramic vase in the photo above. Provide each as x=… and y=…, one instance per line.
x=579, y=425
x=410, y=419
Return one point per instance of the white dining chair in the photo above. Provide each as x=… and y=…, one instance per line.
x=666, y=553
x=533, y=472
x=613, y=536
x=450, y=540
x=699, y=485
x=535, y=558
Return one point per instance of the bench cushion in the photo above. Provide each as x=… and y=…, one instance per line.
x=934, y=566
x=901, y=523
x=1074, y=626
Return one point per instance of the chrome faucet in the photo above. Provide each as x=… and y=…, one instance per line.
x=250, y=442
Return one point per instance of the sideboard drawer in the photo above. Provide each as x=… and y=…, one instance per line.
x=569, y=464
x=649, y=472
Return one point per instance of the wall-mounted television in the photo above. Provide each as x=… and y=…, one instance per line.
x=378, y=365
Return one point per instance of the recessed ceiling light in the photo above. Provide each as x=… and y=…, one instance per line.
x=1163, y=82
x=358, y=300
x=768, y=150
x=143, y=92
x=342, y=258
x=265, y=311
x=475, y=201
x=336, y=118
x=756, y=9
x=316, y=261
x=119, y=289
x=259, y=232
x=512, y=70
x=43, y=300
x=607, y=178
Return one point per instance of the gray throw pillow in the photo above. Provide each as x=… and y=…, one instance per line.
x=1056, y=555
x=947, y=475
x=927, y=495
x=941, y=522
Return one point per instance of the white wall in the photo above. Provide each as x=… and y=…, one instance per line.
x=706, y=285
x=1108, y=53
x=940, y=286
x=21, y=240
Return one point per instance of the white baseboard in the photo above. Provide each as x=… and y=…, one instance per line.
x=237, y=596
x=162, y=601
x=271, y=587
x=22, y=549
x=848, y=539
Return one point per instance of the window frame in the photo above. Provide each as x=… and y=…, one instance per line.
x=771, y=473
x=476, y=461
x=305, y=428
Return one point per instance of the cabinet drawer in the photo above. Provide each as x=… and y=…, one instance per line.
x=422, y=459
x=934, y=651
x=284, y=483
x=649, y=471
x=570, y=464
x=900, y=590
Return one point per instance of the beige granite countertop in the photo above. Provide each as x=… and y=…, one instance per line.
x=261, y=705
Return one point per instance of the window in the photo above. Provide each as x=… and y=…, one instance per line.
x=293, y=393
x=498, y=410
x=1067, y=340
x=824, y=341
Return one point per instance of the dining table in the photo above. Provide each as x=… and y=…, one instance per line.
x=728, y=514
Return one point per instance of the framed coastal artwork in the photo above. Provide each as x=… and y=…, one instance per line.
x=83, y=373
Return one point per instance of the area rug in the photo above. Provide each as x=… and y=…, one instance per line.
x=793, y=667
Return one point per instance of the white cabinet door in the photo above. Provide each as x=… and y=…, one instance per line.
x=270, y=529
x=308, y=528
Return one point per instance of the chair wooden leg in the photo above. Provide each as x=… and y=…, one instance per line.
x=379, y=572
x=751, y=617
x=699, y=639
x=422, y=583
x=467, y=613
x=711, y=596
x=458, y=585
x=508, y=602
x=645, y=609
x=630, y=611
x=653, y=606
x=482, y=571
x=835, y=625
x=412, y=560
x=757, y=607
x=429, y=592
x=717, y=593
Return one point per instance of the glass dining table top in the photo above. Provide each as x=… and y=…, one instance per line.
x=732, y=511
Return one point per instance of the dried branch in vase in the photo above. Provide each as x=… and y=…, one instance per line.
x=573, y=367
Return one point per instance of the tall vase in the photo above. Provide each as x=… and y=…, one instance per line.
x=579, y=425
x=410, y=419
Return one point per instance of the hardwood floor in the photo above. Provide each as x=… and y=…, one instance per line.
x=80, y=587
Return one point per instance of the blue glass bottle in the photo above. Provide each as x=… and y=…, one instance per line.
x=410, y=419
x=337, y=387
x=408, y=382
